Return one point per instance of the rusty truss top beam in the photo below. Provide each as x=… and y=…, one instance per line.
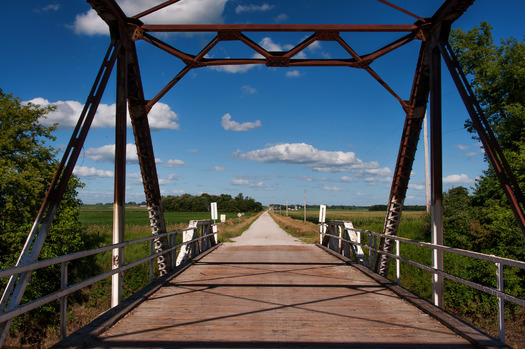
x=359, y=28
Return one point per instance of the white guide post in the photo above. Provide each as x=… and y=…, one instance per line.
x=322, y=220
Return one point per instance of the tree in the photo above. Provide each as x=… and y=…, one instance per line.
x=497, y=75
x=484, y=221
x=27, y=164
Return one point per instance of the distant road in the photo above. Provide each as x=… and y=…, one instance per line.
x=264, y=231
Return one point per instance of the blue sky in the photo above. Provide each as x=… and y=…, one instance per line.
x=269, y=133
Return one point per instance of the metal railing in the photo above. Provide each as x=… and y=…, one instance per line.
x=196, y=245
x=335, y=235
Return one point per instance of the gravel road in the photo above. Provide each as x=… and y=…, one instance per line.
x=264, y=231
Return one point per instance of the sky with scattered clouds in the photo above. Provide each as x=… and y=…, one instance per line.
x=271, y=133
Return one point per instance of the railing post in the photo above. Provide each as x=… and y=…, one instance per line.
x=119, y=197
x=151, y=261
x=370, y=252
x=63, y=301
x=501, y=303
x=398, y=264
x=436, y=176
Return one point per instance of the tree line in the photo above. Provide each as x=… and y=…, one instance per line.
x=201, y=203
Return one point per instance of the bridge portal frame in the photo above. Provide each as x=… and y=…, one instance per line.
x=125, y=31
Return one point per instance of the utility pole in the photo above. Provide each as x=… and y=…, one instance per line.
x=305, y=206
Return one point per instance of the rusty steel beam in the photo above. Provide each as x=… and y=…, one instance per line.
x=406, y=155
x=210, y=28
x=121, y=26
x=443, y=18
x=148, y=168
x=155, y=8
x=402, y=10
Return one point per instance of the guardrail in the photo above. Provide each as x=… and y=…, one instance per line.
x=197, y=238
x=341, y=237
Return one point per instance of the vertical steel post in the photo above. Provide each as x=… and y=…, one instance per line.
x=436, y=175
x=63, y=301
x=120, y=179
x=501, y=303
x=398, y=264
x=427, y=165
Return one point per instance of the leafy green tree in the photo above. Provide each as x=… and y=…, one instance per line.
x=483, y=221
x=497, y=75
x=27, y=164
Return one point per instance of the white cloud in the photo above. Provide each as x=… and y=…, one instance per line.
x=233, y=69
x=318, y=160
x=253, y=8
x=347, y=179
x=306, y=178
x=174, y=163
x=83, y=171
x=48, y=8
x=172, y=177
x=230, y=125
x=66, y=114
x=107, y=153
x=218, y=168
x=283, y=17
x=462, y=147
x=90, y=23
x=248, y=90
x=457, y=179
x=416, y=186
x=326, y=188
x=183, y=12
x=244, y=182
x=293, y=74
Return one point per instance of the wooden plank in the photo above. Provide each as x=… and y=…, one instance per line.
x=276, y=296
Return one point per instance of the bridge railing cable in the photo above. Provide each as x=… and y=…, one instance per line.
x=338, y=236
x=203, y=233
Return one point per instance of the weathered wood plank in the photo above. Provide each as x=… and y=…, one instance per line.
x=276, y=296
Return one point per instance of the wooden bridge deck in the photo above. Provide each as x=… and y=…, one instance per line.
x=275, y=297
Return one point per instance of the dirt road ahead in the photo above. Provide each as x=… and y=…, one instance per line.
x=264, y=231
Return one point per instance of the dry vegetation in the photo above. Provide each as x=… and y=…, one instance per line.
x=305, y=231
x=235, y=227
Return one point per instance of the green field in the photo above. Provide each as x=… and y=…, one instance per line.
x=103, y=215
x=414, y=225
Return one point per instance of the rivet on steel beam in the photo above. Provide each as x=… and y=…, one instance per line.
x=423, y=33
x=137, y=33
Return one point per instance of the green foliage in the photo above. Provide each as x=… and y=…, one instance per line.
x=27, y=165
x=497, y=74
x=201, y=203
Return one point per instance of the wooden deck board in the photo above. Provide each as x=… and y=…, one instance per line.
x=276, y=297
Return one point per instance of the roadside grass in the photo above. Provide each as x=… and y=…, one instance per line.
x=307, y=232
x=234, y=227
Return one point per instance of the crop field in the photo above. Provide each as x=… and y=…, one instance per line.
x=414, y=225
x=103, y=215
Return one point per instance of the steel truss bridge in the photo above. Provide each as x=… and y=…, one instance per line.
x=432, y=33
